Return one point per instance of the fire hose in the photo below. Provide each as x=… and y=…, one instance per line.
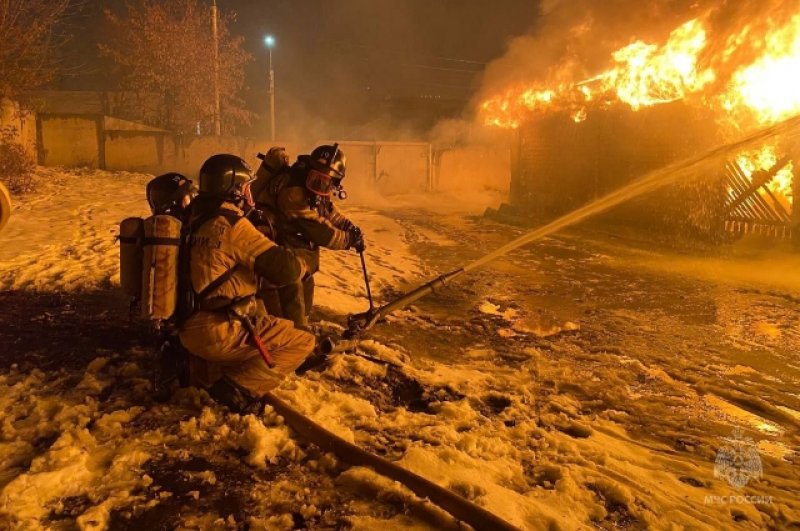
x=461, y=508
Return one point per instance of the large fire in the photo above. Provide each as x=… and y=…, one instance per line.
x=646, y=74
x=762, y=89
x=643, y=75
x=768, y=87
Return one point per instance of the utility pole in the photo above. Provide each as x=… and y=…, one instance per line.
x=269, y=40
x=215, y=38
x=271, y=97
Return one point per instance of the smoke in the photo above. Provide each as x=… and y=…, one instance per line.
x=574, y=39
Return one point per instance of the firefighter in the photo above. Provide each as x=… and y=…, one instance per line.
x=301, y=201
x=229, y=328
x=170, y=194
x=274, y=165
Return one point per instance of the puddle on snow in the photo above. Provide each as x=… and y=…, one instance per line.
x=751, y=419
x=775, y=449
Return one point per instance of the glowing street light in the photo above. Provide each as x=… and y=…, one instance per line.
x=269, y=42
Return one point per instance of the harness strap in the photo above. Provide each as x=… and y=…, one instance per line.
x=159, y=241
x=217, y=282
x=227, y=275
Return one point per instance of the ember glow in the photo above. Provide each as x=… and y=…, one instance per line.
x=642, y=74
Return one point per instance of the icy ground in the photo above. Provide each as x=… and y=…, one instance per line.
x=583, y=382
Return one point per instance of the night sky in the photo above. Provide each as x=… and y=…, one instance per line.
x=335, y=60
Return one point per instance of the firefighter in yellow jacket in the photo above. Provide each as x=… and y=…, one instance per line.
x=229, y=328
x=301, y=200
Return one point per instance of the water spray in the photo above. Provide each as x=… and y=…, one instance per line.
x=358, y=323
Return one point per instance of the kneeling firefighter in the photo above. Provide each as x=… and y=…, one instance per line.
x=300, y=199
x=224, y=324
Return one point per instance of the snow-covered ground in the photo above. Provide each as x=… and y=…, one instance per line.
x=579, y=383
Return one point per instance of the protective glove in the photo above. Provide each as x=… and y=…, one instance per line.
x=356, y=239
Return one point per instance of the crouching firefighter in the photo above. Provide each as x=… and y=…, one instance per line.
x=221, y=323
x=149, y=253
x=300, y=199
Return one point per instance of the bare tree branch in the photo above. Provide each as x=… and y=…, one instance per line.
x=29, y=42
x=165, y=49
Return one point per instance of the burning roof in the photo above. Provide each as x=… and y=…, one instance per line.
x=741, y=59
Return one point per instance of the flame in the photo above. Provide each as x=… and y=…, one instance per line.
x=642, y=74
x=764, y=159
x=647, y=75
x=769, y=86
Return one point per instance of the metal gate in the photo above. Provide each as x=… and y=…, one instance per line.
x=751, y=206
x=387, y=167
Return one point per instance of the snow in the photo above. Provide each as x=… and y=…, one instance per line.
x=265, y=444
x=544, y=389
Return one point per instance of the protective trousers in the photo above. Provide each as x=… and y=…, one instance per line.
x=223, y=347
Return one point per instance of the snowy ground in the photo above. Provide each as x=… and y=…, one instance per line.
x=583, y=382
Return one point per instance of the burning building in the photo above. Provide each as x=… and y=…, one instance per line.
x=721, y=73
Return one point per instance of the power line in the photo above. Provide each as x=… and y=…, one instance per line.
x=406, y=53
x=412, y=65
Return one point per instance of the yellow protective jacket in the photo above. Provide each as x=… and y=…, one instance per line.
x=299, y=224
x=322, y=226
x=226, y=241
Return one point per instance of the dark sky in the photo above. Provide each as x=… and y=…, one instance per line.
x=336, y=58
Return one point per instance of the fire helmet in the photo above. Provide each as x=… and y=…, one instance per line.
x=225, y=177
x=275, y=159
x=327, y=170
x=168, y=193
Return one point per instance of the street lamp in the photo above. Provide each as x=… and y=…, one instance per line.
x=269, y=42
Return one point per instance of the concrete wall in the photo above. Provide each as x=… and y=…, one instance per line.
x=19, y=125
x=155, y=152
x=133, y=151
x=70, y=141
x=383, y=167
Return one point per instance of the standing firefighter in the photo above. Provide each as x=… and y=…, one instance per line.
x=227, y=327
x=300, y=200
